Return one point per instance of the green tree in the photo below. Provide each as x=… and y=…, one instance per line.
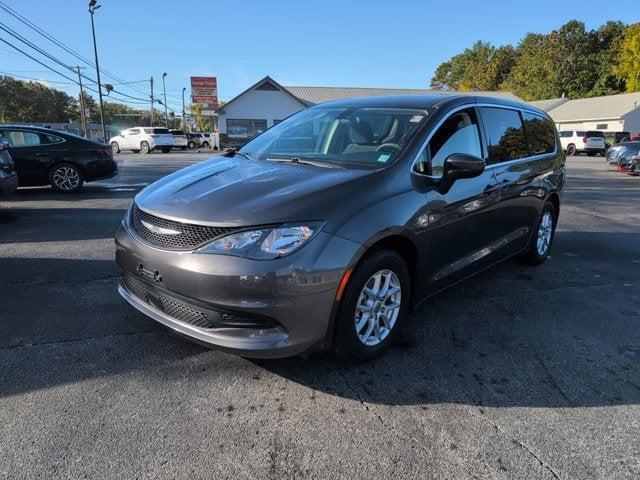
x=628, y=65
x=608, y=39
x=535, y=75
x=202, y=125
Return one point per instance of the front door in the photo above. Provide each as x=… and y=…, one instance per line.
x=461, y=221
x=30, y=161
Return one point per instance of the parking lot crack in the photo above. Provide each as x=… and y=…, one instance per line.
x=543, y=464
x=553, y=381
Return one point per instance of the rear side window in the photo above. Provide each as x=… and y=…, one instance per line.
x=505, y=134
x=541, y=135
x=581, y=133
x=134, y=131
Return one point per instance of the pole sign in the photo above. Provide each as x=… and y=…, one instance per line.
x=204, y=90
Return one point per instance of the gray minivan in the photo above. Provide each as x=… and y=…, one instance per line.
x=323, y=231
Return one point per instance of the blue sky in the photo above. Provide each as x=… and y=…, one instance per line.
x=329, y=43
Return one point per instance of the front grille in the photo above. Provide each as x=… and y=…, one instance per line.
x=190, y=235
x=204, y=318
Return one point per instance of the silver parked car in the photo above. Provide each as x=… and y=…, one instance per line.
x=325, y=229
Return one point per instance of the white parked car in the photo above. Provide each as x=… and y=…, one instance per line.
x=143, y=140
x=575, y=142
x=179, y=139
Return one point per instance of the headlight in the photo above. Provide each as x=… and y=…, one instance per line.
x=264, y=243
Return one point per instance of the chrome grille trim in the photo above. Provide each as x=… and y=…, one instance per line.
x=173, y=235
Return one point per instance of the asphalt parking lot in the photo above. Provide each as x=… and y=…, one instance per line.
x=517, y=373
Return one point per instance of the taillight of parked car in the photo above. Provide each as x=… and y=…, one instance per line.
x=584, y=139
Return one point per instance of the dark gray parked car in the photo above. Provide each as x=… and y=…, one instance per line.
x=324, y=230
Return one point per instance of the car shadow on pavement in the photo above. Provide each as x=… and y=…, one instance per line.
x=564, y=334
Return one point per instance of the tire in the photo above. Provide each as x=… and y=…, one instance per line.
x=205, y=145
x=350, y=340
x=166, y=149
x=191, y=145
x=144, y=148
x=571, y=150
x=66, y=178
x=538, y=249
x=115, y=148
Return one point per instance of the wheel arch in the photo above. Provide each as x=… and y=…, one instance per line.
x=399, y=242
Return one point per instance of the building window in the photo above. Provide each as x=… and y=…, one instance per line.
x=245, y=128
x=602, y=126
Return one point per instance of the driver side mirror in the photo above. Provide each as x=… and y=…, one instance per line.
x=456, y=166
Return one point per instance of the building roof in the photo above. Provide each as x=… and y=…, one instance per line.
x=596, y=108
x=310, y=96
x=546, y=105
x=314, y=95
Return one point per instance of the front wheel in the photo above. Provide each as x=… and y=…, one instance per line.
x=66, y=178
x=144, y=148
x=205, y=145
x=115, y=148
x=543, y=235
x=571, y=150
x=373, y=306
x=191, y=145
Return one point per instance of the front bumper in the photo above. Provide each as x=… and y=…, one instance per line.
x=297, y=292
x=8, y=183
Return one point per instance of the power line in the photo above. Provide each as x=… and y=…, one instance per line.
x=61, y=45
x=35, y=79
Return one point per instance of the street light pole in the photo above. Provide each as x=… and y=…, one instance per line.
x=82, y=106
x=184, y=121
x=93, y=6
x=164, y=94
x=151, y=102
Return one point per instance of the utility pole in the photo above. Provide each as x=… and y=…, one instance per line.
x=93, y=6
x=82, y=105
x=184, y=120
x=164, y=94
x=151, y=102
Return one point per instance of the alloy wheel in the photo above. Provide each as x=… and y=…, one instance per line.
x=66, y=178
x=545, y=231
x=378, y=307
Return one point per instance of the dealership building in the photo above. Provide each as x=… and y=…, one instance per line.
x=266, y=103
x=611, y=113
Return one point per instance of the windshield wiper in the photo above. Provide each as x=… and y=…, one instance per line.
x=302, y=161
x=230, y=152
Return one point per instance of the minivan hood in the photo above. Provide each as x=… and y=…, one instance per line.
x=240, y=192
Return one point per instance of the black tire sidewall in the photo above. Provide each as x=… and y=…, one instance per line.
x=142, y=148
x=571, y=150
x=71, y=165
x=346, y=343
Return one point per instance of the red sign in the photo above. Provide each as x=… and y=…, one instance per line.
x=204, y=90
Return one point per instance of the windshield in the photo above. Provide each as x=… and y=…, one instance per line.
x=361, y=135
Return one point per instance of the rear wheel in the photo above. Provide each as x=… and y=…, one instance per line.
x=66, y=178
x=166, y=149
x=115, y=148
x=191, y=145
x=373, y=306
x=543, y=235
x=205, y=145
x=144, y=148
x=571, y=150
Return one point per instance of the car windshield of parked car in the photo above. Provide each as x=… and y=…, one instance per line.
x=343, y=135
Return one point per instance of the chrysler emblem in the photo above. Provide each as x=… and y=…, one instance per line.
x=159, y=230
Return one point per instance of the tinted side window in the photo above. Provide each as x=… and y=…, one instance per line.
x=505, y=134
x=541, y=134
x=135, y=131
x=566, y=134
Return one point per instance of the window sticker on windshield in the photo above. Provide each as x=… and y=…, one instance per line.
x=416, y=118
x=384, y=157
